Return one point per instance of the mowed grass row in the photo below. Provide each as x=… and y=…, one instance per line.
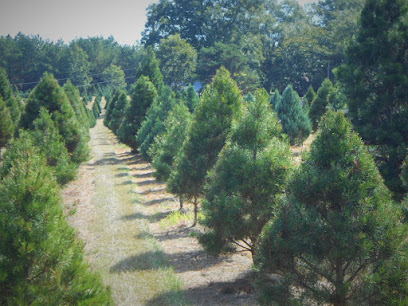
x=130, y=261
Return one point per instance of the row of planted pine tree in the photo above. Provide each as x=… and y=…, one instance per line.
x=46, y=139
x=327, y=231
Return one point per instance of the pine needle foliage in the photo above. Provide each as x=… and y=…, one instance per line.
x=320, y=103
x=167, y=145
x=150, y=67
x=110, y=107
x=41, y=259
x=142, y=95
x=339, y=238
x=6, y=124
x=295, y=122
x=275, y=98
x=11, y=100
x=45, y=135
x=74, y=97
x=153, y=124
x=49, y=94
x=250, y=175
x=375, y=82
x=220, y=102
x=119, y=110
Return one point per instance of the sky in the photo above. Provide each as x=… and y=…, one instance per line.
x=71, y=19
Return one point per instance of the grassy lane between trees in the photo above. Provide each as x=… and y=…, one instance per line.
x=104, y=207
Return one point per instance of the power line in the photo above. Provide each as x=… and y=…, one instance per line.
x=72, y=78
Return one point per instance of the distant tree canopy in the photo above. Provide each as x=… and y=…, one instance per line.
x=269, y=43
x=178, y=61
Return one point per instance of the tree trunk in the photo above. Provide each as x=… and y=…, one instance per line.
x=181, y=202
x=195, y=211
x=340, y=293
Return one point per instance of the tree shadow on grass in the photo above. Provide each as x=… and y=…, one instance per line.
x=153, y=260
x=139, y=216
x=144, y=175
x=150, y=191
x=147, y=182
x=121, y=174
x=238, y=292
x=126, y=183
x=159, y=201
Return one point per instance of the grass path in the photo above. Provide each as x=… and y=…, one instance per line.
x=135, y=237
x=104, y=206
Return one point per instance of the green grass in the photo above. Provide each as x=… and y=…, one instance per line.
x=177, y=218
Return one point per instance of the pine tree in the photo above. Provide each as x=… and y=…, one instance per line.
x=320, y=103
x=150, y=67
x=295, y=122
x=191, y=98
x=78, y=106
x=167, y=145
x=251, y=173
x=275, y=99
x=308, y=99
x=220, y=102
x=142, y=96
x=50, y=95
x=41, y=259
x=153, y=124
x=45, y=135
x=376, y=86
x=118, y=112
x=339, y=234
x=110, y=107
x=12, y=102
x=6, y=124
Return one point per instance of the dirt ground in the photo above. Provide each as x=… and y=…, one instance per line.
x=118, y=207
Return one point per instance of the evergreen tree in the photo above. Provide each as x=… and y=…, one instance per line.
x=6, y=124
x=339, y=237
x=275, y=99
x=295, y=122
x=153, y=124
x=51, y=96
x=191, y=98
x=50, y=143
x=110, y=107
x=167, y=145
x=78, y=106
x=220, y=102
x=6, y=91
x=118, y=112
x=320, y=103
x=150, y=67
x=376, y=86
x=142, y=96
x=251, y=173
x=41, y=259
x=308, y=99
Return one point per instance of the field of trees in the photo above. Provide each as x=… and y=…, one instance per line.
x=217, y=97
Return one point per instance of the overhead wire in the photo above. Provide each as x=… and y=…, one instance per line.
x=73, y=78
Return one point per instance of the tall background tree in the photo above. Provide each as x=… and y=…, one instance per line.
x=376, y=86
x=178, y=61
